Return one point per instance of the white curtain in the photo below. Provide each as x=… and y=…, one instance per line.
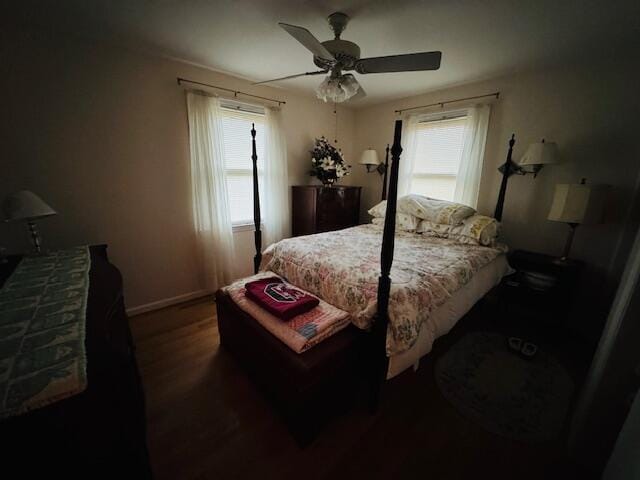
x=275, y=201
x=408, y=156
x=212, y=222
x=470, y=171
x=475, y=136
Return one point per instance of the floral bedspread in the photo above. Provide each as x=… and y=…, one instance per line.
x=343, y=267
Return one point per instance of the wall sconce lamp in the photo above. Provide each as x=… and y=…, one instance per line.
x=537, y=155
x=370, y=160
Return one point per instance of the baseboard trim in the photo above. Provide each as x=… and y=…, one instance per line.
x=166, y=302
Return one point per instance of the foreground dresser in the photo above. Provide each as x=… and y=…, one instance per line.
x=318, y=209
x=100, y=432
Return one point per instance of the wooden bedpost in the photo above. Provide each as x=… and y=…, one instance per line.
x=379, y=330
x=507, y=170
x=256, y=203
x=386, y=170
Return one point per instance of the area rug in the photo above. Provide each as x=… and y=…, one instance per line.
x=520, y=398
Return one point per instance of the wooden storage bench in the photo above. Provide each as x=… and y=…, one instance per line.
x=307, y=388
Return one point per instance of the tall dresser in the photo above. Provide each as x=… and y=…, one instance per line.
x=318, y=209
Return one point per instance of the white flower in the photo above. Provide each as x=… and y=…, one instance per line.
x=328, y=164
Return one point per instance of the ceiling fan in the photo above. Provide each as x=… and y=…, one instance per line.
x=337, y=56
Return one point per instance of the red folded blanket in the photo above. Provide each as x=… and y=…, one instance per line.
x=279, y=298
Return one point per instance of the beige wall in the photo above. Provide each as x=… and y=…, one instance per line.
x=591, y=112
x=101, y=134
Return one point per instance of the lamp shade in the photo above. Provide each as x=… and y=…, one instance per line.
x=578, y=203
x=540, y=153
x=25, y=205
x=369, y=157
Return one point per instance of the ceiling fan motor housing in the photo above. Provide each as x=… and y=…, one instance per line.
x=346, y=53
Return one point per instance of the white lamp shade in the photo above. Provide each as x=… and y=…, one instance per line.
x=369, y=157
x=540, y=153
x=25, y=205
x=569, y=203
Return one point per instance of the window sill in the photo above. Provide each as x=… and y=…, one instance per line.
x=244, y=227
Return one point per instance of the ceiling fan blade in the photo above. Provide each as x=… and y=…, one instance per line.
x=306, y=38
x=411, y=62
x=291, y=76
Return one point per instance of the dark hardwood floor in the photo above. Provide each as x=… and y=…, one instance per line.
x=207, y=421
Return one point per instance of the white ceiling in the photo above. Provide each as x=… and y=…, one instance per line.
x=479, y=39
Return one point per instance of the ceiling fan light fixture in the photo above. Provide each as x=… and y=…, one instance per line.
x=337, y=90
x=330, y=91
x=350, y=85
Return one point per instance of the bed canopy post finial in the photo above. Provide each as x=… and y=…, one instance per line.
x=386, y=170
x=256, y=203
x=379, y=331
x=507, y=170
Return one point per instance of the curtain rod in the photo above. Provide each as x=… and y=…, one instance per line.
x=235, y=92
x=442, y=104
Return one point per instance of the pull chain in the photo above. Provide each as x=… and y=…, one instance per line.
x=335, y=112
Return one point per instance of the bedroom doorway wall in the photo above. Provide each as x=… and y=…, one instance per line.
x=614, y=376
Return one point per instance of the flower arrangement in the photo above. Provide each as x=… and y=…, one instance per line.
x=327, y=162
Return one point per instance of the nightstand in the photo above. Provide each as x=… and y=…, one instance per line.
x=542, y=289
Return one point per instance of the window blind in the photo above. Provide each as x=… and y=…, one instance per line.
x=236, y=131
x=438, y=152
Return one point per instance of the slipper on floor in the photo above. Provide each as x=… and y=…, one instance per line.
x=529, y=349
x=515, y=344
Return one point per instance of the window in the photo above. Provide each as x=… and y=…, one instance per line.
x=437, y=159
x=236, y=132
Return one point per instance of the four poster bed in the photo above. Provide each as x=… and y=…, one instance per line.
x=436, y=281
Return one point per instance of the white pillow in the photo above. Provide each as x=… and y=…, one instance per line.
x=482, y=229
x=433, y=210
x=436, y=229
x=407, y=223
x=475, y=230
x=379, y=210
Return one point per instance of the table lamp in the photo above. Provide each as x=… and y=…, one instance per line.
x=575, y=204
x=27, y=206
